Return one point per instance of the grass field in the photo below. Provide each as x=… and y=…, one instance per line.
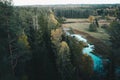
x=83, y=25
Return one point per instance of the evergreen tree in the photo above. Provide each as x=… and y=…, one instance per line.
x=114, y=32
x=76, y=55
x=114, y=55
x=7, y=38
x=14, y=46
x=64, y=63
x=118, y=13
x=43, y=63
x=93, y=27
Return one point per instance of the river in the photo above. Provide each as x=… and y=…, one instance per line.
x=98, y=63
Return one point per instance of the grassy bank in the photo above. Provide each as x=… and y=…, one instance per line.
x=100, y=39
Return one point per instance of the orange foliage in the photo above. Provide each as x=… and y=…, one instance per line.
x=91, y=19
x=56, y=36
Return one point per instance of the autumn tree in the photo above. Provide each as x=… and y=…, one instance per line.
x=76, y=55
x=93, y=24
x=64, y=63
x=86, y=67
x=91, y=19
x=63, y=60
x=52, y=21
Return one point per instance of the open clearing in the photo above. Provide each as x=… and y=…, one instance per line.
x=83, y=25
x=100, y=39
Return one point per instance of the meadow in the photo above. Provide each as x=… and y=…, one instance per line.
x=83, y=25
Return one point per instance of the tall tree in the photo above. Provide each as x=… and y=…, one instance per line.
x=13, y=40
x=64, y=63
x=43, y=63
x=118, y=13
x=76, y=55
x=114, y=39
x=7, y=37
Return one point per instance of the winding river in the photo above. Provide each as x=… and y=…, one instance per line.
x=98, y=63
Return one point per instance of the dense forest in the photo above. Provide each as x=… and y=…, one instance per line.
x=79, y=11
x=34, y=46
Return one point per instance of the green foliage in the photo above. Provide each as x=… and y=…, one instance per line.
x=64, y=63
x=118, y=13
x=93, y=27
x=61, y=19
x=96, y=22
x=114, y=34
x=62, y=52
x=6, y=14
x=107, y=17
x=13, y=51
x=105, y=26
x=82, y=64
x=73, y=12
x=32, y=46
x=43, y=63
x=76, y=51
x=24, y=77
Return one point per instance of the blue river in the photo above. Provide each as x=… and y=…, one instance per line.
x=98, y=63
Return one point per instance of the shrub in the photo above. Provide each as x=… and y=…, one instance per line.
x=105, y=26
x=93, y=27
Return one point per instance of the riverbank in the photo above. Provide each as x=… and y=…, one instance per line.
x=101, y=48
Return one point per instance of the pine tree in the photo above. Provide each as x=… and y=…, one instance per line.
x=7, y=38
x=114, y=32
x=43, y=64
x=14, y=45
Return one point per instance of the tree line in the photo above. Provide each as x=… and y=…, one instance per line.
x=74, y=12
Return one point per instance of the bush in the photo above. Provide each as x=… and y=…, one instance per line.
x=104, y=26
x=93, y=27
x=107, y=18
x=61, y=19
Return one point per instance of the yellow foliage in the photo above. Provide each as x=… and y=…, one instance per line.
x=52, y=21
x=63, y=55
x=56, y=36
x=23, y=38
x=64, y=45
x=64, y=48
x=91, y=18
